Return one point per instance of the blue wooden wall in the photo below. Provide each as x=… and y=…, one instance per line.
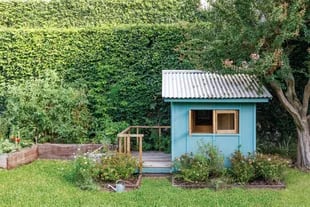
x=182, y=142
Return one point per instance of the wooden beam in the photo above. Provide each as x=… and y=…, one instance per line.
x=119, y=144
x=128, y=145
x=140, y=154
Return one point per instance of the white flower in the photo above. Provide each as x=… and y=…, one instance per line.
x=254, y=56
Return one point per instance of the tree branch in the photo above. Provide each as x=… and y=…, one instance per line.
x=277, y=61
x=291, y=92
x=305, y=102
x=286, y=104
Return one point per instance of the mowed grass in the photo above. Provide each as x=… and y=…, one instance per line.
x=49, y=183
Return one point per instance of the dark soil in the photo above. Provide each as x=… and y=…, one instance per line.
x=221, y=185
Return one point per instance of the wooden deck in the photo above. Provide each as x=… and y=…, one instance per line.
x=154, y=159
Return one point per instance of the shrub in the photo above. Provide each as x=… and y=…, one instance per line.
x=270, y=167
x=192, y=168
x=84, y=172
x=214, y=159
x=6, y=146
x=81, y=13
x=116, y=167
x=206, y=164
x=45, y=108
x=242, y=169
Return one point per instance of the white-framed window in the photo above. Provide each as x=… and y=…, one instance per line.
x=214, y=121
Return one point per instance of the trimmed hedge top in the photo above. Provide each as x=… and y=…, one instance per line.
x=84, y=13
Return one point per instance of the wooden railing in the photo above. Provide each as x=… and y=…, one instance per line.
x=124, y=139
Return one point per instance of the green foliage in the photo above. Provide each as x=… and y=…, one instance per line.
x=44, y=108
x=116, y=167
x=152, y=140
x=50, y=184
x=214, y=158
x=192, y=168
x=6, y=146
x=88, y=171
x=269, y=39
x=242, y=169
x=208, y=163
x=268, y=168
x=256, y=27
x=81, y=13
x=119, y=67
x=83, y=172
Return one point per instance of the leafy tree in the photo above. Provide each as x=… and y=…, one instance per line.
x=268, y=38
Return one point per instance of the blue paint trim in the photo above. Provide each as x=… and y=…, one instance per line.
x=254, y=130
x=172, y=129
x=226, y=100
x=157, y=170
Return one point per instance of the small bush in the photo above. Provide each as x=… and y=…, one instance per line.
x=116, y=167
x=242, y=168
x=192, y=168
x=84, y=172
x=214, y=158
x=206, y=164
x=6, y=146
x=270, y=167
x=14, y=144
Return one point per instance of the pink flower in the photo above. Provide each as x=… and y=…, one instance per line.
x=228, y=62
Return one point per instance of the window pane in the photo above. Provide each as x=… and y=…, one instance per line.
x=203, y=117
x=226, y=121
x=201, y=121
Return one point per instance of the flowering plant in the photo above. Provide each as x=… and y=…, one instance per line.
x=266, y=167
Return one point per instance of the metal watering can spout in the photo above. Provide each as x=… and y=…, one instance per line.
x=119, y=186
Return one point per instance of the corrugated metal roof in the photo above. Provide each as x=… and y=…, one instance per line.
x=196, y=84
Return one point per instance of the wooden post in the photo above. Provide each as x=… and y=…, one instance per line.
x=128, y=144
x=140, y=153
x=119, y=144
x=137, y=139
x=159, y=137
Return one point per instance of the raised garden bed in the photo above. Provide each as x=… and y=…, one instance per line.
x=219, y=185
x=44, y=151
x=130, y=184
x=21, y=157
x=64, y=151
x=264, y=185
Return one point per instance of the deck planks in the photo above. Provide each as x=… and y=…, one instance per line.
x=154, y=159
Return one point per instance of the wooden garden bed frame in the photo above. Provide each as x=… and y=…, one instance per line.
x=124, y=139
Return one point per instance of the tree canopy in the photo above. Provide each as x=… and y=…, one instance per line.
x=268, y=38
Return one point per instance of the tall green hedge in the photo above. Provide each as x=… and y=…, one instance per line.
x=84, y=13
x=120, y=66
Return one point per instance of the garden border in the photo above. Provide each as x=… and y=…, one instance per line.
x=44, y=151
x=226, y=186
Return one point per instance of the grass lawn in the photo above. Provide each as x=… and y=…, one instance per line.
x=48, y=183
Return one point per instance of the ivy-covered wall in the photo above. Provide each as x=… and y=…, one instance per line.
x=85, y=13
x=120, y=66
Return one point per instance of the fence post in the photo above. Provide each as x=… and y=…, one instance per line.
x=140, y=153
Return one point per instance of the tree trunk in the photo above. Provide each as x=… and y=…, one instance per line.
x=298, y=110
x=303, y=148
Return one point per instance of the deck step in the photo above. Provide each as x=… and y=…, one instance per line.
x=159, y=164
x=156, y=170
